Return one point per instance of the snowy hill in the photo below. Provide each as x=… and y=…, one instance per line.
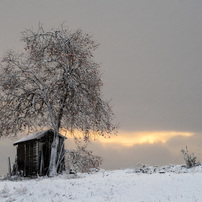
x=168, y=183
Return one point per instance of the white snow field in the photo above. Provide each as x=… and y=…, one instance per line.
x=171, y=183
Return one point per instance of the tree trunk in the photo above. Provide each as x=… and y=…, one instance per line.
x=53, y=157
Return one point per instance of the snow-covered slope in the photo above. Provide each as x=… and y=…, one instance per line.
x=171, y=183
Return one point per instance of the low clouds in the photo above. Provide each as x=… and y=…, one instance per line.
x=159, y=153
x=119, y=156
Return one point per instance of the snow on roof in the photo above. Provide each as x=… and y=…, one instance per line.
x=34, y=136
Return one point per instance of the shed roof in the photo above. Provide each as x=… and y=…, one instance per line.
x=34, y=136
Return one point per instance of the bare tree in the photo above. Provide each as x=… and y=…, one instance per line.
x=53, y=83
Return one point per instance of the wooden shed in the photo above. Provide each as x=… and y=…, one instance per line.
x=33, y=153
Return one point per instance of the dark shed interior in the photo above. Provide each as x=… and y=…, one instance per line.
x=33, y=153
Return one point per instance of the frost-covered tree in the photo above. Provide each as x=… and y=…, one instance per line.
x=53, y=83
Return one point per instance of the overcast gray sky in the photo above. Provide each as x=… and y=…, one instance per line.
x=150, y=56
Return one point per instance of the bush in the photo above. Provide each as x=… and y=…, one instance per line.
x=190, y=159
x=82, y=160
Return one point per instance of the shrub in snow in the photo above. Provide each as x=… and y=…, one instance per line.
x=190, y=159
x=21, y=190
x=82, y=160
x=5, y=189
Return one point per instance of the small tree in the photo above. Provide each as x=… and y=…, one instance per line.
x=53, y=83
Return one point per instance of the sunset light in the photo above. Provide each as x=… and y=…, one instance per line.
x=129, y=139
x=132, y=138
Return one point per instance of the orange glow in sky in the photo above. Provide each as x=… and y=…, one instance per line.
x=137, y=137
x=132, y=138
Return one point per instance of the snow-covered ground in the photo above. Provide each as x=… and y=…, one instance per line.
x=169, y=183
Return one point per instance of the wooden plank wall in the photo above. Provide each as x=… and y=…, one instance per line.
x=31, y=158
